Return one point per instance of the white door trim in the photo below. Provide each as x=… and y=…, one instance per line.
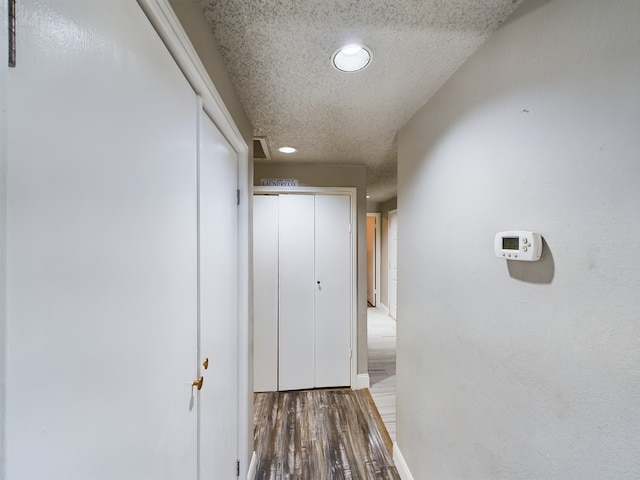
x=378, y=240
x=166, y=23
x=401, y=464
x=376, y=255
x=352, y=192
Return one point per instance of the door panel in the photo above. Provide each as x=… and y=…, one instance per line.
x=333, y=290
x=297, y=277
x=218, y=298
x=265, y=293
x=101, y=248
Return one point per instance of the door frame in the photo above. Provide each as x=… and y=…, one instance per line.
x=352, y=192
x=376, y=257
x=173, y=35
x=393, y=212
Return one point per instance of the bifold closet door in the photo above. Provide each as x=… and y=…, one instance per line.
x=265, y=292
x=333, y=290
x=296, y=252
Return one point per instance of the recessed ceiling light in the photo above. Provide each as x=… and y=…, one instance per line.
x=288, y=150
x=351, y=58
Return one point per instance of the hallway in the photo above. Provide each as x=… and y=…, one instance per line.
x=381, y=330
x=322, y=434
x=296, y=432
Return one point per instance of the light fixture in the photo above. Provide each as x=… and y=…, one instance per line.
x=287, y=150
x=351, y=58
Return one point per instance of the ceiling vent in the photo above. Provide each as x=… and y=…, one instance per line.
x=260, y=149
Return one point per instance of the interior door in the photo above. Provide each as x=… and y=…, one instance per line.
x=102, y=236
x=218, y=300
x=332, y=290
x=371, y=259
x=296, y=342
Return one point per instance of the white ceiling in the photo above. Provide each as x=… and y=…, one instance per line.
x=279, y=55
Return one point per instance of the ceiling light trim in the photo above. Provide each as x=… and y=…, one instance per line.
x=287, y=150
x=351, y=58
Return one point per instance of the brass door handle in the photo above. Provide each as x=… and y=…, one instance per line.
x=198, y=383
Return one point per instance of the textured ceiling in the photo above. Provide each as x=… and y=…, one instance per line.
x=279, y=55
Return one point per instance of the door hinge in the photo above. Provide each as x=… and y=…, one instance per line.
x=12, y=33
x=238, y=196
x=237, y=468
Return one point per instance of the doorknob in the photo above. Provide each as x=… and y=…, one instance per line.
x=198, y=383
x=205, y=364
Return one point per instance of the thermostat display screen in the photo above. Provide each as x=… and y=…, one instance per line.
x=511, y=243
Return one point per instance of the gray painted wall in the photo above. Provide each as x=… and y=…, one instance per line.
x=525, y=370
x=334, y=176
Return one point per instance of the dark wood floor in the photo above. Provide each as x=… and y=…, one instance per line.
x=320, y=435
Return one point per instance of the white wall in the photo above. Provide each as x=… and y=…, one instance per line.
x=212, y=60
x=526, y=370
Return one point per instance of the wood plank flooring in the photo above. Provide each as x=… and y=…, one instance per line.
x=320, y=435
x=382, y=365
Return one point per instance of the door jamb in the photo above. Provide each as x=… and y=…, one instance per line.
x=376, y=255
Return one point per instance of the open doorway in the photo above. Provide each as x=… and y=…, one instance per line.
x=373, y=259
x=381, y=328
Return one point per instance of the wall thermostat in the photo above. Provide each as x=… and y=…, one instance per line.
x=518, y=245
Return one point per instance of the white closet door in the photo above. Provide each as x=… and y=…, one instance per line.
x=296, y=253
x=332, y=290
x=101, y=255
x=218, y=299
x=265, y=293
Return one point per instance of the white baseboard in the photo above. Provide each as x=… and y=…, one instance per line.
x=401, y=465
x=251, y=474
x=362, y=381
